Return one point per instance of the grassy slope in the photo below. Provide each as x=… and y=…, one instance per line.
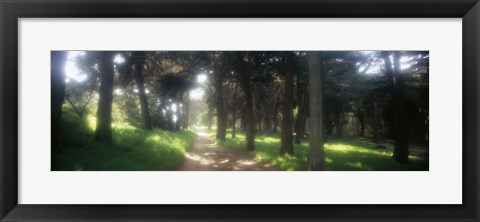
x=133, y=149
x=341, y=154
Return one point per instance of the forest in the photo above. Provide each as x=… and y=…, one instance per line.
x=240, y=110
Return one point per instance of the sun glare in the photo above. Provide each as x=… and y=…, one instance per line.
x=197, y=94
x=72, y=71
x=201, y=78
x=119, y=59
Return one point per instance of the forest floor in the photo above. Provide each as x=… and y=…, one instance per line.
x=341, y=154
x=205, y=155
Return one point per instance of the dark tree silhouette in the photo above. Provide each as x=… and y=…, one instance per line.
x=139, y=61
x=59, y=59
x=234, y=111
x=395, y=79
x=103, y=132
x=316, y=157
x=286, y=145
x=245, y=82
x=302, y=107
x=186, y=110
x=219, y=65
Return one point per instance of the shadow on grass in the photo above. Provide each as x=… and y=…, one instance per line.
x=341, y=154
x=133, y=149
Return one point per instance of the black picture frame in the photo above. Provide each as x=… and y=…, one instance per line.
x=11, y=11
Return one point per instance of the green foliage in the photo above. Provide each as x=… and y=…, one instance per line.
x=126, y=107
x=341, y=154
x=133, y=149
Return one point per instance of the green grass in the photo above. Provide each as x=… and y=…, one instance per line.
x=133, y=149
x=342, y=154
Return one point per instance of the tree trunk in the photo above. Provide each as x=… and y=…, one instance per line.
x=103, y=132
x=275, y=118
x=375, y=122
x=338, y=118
x=209, y=119
x=185, y=110
x=361, y=119
x=221, y=113
x=245, y=80
x=286, y=145
x=316, y=157
x=147, y=122
x=302, y=110
x=400, y=151
x=58, y=60
x=267, y=121
x=243, y=120
x=234, y=112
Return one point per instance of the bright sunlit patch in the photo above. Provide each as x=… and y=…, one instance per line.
x=118, y=91
x=406, y=59
x=405, y=66
x=197, y=94
x=72, y=72
x=119, y=59
x=75, y=54
x=201, y=78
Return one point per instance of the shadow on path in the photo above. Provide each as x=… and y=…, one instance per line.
x=206, y=155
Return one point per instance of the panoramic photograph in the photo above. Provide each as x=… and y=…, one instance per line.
x=239, y=110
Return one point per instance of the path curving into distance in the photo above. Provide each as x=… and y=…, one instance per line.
x=205, y=155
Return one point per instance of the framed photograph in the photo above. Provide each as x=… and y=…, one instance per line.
x=239, y=110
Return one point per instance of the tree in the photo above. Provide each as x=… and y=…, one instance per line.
x=103, y=132
x=396, y=82
x=219, y=66
x=400, y=151
x=286, y=145
x=59, y=59
x=245, y=63
x=316, y=157
x=302, y=106
x=139, y=62
x=186, y=110
x=234, y=111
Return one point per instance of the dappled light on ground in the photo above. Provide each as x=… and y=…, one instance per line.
x=342, y=154
x=206, y=155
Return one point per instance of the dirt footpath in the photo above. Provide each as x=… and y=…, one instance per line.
x=206, y=155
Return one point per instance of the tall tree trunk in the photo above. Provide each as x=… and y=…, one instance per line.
x=286, y=145
x=400, y=151
x=103, y=132
x=234, y=111
x=243, y=120
x=58, y=60
x=375, y=122
x=245, y=81
x=147, y=122
x=275, y=118
x=267, y=121
x=361, y=119
x=209, y=119
x=316, y=157
x=259, y=120
x=338, y=118
x=186, y=111
x=300, y=124
x=221, y=113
